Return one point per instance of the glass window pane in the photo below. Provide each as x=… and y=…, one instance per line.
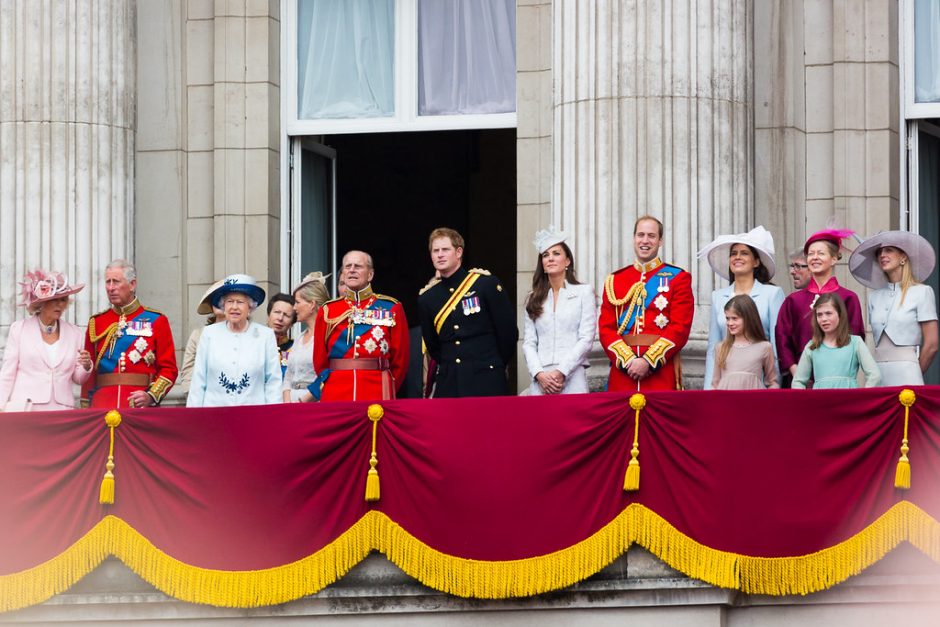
x=466, y=56
x=345, y=58
x=927, y=51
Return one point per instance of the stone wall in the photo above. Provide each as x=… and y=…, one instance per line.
x=208, y=179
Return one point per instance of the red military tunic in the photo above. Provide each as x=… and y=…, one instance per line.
x=360, y=348
x=132, y=348
x=646, y=313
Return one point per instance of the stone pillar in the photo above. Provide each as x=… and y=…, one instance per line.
x=652, y=114
x=826, y=120
x=67, y=98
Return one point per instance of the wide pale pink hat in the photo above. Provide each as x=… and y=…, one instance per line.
x=39, y=286
x=864, y=266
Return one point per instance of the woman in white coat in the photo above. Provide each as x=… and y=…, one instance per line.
x=747, y=260
x=560, y=320
x=237, y=362
x=902, y=311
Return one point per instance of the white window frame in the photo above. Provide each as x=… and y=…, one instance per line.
x=912, y=109
x=406, y=116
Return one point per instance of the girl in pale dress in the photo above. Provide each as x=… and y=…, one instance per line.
x=745, y=359
x=560, y=320
x=309, y=296
x=902, y=310
x=834, y=356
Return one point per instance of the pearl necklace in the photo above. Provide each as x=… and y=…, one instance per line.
x=49, y=329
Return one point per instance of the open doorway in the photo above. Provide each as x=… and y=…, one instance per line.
x=392, y=189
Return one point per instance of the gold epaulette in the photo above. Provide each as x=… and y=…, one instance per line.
x=434, y=281
x=386, y=297
x=333, y=300
x=479, y=271
x=159, y=313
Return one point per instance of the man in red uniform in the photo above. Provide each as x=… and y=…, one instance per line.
x=135, y=361
x=646, y=316
x=360, y=341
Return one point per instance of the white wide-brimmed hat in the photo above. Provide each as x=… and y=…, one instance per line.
x=546, y=238
x=241, y=283
x=864, y=266
x=205, y=304
x=757, y=238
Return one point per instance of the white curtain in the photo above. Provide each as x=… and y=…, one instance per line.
x=927, y=51
x=466, y=56
x=345, y=58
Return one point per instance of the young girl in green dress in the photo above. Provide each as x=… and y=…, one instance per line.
x=833, y=357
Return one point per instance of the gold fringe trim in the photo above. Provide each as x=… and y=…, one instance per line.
x=473, y=578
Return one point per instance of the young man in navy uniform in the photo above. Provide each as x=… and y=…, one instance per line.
x=467, y=322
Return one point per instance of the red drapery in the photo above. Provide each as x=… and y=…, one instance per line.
x=485, y=497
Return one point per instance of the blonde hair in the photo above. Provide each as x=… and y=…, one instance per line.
x=313, y=291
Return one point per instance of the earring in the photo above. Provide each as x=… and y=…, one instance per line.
x=903, y=262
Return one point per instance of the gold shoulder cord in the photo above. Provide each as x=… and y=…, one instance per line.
x=331, y=323
x=635, y=296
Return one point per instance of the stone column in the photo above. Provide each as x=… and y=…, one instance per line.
x=67, y=97
x=826, y=120
x=652, y=114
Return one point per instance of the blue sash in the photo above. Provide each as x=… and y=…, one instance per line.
x=123, y=344
x=652, y=284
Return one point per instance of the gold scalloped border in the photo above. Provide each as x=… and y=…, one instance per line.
x=801, y=574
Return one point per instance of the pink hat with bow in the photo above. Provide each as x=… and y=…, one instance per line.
x=39, y=286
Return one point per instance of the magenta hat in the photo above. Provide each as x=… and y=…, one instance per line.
x=831, y=235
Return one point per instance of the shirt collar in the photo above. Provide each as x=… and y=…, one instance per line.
x=360, y=296
x=130, y=308
x=831, y=285
x=649, y=265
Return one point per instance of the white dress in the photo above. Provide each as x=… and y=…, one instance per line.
x=300, y=372
x=561, y=338
x=896, y=331
x=236, y=368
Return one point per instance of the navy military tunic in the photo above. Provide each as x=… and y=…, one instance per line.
x=477, y=337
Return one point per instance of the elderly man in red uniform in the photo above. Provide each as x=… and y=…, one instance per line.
x=360, y=341
x=135, y=361
x=646, y=316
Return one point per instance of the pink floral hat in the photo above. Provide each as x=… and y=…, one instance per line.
x=39, y=286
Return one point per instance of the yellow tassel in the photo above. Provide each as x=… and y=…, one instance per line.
x=373, y=491
x=902, y=474
x=373, y=488
x=106, y=493
x=631, y=481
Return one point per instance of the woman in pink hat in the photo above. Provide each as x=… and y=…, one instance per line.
x=795, y=320
x=44, y=354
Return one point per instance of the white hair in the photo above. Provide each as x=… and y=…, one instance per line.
x=126, y=268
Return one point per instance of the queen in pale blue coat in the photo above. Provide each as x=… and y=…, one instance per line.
x=560, y=320
x=747, y=260
x=237, y=361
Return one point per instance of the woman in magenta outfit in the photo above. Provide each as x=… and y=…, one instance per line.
x=795, y=320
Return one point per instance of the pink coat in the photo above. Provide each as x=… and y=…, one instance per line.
x=28, y=380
